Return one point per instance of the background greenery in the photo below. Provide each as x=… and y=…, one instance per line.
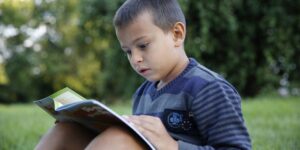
x=273, y=123
x=46, y=45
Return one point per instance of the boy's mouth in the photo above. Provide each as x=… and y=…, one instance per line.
x=143, y=71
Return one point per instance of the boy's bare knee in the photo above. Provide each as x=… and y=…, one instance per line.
x=63, y=135
x=117, y=132
x=66, y=130
x=115, y=138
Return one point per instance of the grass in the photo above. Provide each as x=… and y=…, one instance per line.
x=21, y=126
x=273, y=124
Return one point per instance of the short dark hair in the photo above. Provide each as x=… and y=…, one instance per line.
x=165, y=13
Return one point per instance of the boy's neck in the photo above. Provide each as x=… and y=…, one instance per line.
x=182, y=64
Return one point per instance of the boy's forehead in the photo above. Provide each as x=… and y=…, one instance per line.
x=134, y=31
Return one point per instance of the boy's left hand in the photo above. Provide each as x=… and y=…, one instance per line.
x=153, y=129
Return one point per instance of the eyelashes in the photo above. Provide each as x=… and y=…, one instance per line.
x=141, y=47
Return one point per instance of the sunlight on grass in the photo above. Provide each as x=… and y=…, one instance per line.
x=21, y=126
x=273, y=123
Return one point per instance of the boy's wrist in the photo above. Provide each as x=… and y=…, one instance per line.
x=176, y=145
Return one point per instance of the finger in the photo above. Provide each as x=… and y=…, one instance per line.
x=153, y=124
x=146, y=118
x=149, y=134
x=139, y=120
x=149, y=118
x=155, y=137
x=125, y=117
x=154, y=121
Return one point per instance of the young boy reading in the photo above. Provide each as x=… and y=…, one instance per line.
x=181, y=105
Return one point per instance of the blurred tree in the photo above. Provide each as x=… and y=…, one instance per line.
x=3, y=76
x=98, y=33
x=52, y=44
x=43, y=54
x=246, y=40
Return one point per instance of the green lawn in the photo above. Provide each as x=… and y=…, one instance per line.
x=273, y=123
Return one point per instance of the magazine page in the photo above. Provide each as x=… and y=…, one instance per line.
x=96, y=116
x=65, y=96
x=47, y=104
x=67, y=105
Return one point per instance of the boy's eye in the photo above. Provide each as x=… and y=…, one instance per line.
x=128, y=52
x=143, y=46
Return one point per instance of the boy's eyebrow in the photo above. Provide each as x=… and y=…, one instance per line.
x=134, y=41
x=123, y=48
x=139, y=38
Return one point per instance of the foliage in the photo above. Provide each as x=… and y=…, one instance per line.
x=252, y=43
x=52, y=44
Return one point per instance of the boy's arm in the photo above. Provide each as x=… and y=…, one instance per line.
x=217, y=113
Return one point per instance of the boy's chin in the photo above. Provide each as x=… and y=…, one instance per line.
x=151, y=79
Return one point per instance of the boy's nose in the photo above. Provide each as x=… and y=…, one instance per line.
x=136, y=58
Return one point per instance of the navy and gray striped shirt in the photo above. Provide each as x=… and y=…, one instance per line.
x=198, y=108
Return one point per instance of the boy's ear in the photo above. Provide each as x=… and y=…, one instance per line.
x=179, y=33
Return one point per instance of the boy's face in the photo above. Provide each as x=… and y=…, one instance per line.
x=151, y=51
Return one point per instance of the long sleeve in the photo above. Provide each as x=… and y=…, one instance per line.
x=217, y=113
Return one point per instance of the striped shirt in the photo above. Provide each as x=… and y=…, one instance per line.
x=198, y=108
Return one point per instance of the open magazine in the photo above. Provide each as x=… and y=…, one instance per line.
x=67, y=105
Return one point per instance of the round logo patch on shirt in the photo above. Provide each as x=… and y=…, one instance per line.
x=175, y=119
x=178, y=121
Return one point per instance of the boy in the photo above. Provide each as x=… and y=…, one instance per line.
x=182, y=105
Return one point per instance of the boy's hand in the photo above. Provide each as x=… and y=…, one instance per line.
x=153, y=129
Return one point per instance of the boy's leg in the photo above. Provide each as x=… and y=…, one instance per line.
x=115, y=138
x=66, y=136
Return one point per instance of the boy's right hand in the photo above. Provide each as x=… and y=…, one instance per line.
x=154, y=130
